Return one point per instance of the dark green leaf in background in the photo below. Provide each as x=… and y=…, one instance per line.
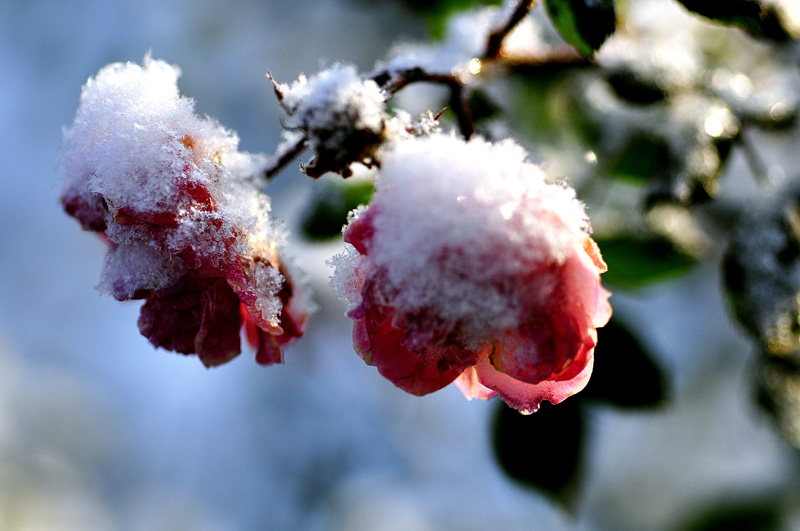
x=482, y=106
x=624, y=374
x=542, y=450
x=737, y=515
x=759, y=273
x=642, y=158
x=585, y=24
x=756, y=17
x=636, y=261
x=547, y=109
x=332, y=200
x=633, y=87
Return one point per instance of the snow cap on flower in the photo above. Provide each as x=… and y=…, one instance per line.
x=342, y=115
x=469, y=263
x=187, y=227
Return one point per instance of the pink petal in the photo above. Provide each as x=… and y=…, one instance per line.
x=361, y=341
x=359, y=232
x=528, y=397
x=602, y=308
x=471, y=388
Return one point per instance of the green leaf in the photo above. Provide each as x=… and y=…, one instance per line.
x=756, y=17
x=547, y=109
x=642, y=158
x=635, y=261
x=544, y=450
x=635, y=88
x=331, y=202
x=759, y=273
x=585, y=24
x=624, y=374
x=758, y=514
x=438, y=12
x=482, y=106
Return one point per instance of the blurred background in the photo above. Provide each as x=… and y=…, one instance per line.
x=99, y=431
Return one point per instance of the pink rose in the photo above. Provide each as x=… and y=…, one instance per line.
x=487, y=277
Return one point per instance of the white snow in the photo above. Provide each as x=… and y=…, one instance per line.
x=138, y=144
x=458, y=223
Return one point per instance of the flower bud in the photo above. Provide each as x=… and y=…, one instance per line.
x=342, y=115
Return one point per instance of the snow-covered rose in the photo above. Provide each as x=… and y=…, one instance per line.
x=468, y=266
x=187, y=228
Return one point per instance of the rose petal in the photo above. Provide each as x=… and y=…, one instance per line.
x=170, y=318
x=91, y=212
x=269, y=350
x=415, y=373
x=528, y=397
x=360, y=231
x=218, y=339
x=471, y=388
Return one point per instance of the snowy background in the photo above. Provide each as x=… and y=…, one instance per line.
x=99, y=431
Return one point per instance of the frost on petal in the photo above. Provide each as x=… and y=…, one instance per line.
x=461, y=245
x=133, y=271
x=188, y=229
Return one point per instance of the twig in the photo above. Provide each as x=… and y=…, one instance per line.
x=285, y=154
x=458, y=93
x=757, y=166
x=555, y=60
x=495, y=41
x=393, y=85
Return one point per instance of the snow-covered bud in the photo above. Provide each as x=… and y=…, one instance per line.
x=188, y=230
x=469, y=267
x=342, y=115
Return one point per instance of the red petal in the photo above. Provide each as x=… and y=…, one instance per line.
x=554, y=341
x=91, y=213
x=196, y=316
x=269, y=350
x=416, y=373
x=170, y=318
x=218, y=339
